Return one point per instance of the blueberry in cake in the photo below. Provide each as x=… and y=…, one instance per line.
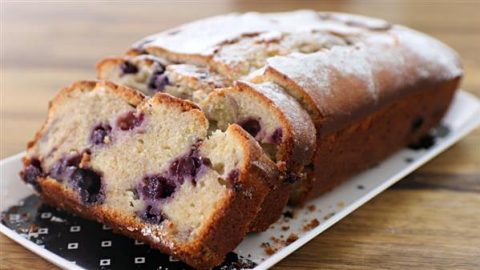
x=146, y=167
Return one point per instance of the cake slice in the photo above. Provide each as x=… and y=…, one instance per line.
x=151, y=74
x=146, y=167
x=278, y=122
x=275, y=119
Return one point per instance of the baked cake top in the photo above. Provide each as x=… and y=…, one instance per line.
x=340, y=66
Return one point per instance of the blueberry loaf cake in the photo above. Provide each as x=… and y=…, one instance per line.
x=368, y=87
x=246, y=111
x=148, y=168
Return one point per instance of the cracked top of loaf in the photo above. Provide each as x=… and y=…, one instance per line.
x=340, y=66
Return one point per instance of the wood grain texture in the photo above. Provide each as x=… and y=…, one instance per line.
x=430, y=220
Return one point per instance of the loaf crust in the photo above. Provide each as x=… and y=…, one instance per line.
x=365, y=143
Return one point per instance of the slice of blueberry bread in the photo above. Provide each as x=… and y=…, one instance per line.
x=147, y=168
x=151, y=74
x=276, y=120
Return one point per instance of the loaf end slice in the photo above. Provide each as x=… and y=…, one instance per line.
x=277, y=121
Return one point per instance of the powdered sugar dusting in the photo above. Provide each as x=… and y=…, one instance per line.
x=269, y=36
x=347, y=79
x=437, y=59
x=204, y=37
x=343, y=64
x=335, y=79
x=356, y=20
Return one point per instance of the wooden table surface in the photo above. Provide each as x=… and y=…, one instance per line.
x=430, y=220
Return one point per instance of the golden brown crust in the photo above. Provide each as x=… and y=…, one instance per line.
x=344, y=153
x=131, y=96
x=272, y=207
x=108, y=61
x=186, y=105
x=278, y=191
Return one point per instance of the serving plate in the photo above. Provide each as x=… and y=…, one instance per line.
x=74, y=243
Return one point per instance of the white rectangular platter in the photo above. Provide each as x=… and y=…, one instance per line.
x=260, y=250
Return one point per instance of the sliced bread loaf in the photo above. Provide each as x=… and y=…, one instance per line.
x=146, y=167
x=276, y=120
